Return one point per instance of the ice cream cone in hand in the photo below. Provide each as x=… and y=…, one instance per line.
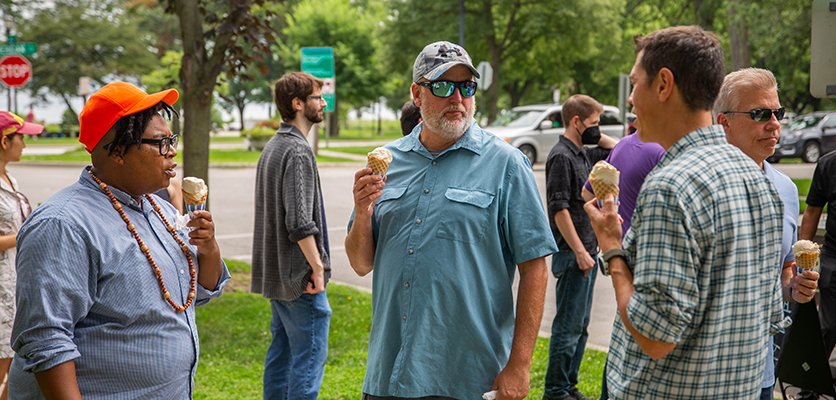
x=604, y=180
x=806, y=254
x=194, y=194
x=378, y=160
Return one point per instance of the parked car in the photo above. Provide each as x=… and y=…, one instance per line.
x=535, y=129
x=808, y=136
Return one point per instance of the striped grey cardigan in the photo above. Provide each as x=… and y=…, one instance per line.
x=287, y=209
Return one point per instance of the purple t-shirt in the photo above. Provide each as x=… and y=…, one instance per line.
x=634, y=159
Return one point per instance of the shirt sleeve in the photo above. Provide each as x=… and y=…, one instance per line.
x=526, y=231
x=558, y=182
x=202, y=294
x=666, y=293
x=820, y=186
x=56, y=284
x=298, y=193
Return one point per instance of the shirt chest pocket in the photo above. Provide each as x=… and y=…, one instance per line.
x=388, y=203
x=465, y=216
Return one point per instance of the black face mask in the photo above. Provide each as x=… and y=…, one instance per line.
x=590, y=135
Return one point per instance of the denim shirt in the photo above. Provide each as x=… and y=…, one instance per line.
x=448, y=232
x=87, y=293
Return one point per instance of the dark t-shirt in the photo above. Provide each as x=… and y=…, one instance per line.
x=822, y=192
x=567, y=168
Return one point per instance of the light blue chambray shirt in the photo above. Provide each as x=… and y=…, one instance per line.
x=789, y=195
x=705, y=244
x=448, y=233
x=86, y=293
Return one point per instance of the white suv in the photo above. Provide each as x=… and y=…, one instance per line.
x=535, y=129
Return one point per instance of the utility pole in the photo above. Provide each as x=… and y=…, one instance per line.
x=9, y=23
x=461, y=23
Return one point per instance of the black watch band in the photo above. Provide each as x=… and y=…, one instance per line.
x=616, y=252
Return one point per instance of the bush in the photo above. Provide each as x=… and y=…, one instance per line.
x=257, y=133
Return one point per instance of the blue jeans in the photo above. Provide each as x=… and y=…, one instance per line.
x=766, y=393
x=568, y=341
x=295, y=360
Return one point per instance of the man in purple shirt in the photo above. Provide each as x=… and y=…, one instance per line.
x=634, y=159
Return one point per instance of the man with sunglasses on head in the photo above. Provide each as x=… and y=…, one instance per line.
x=291, y=263
x=750, y=112
x=695, y=282
x=444, y=231
x=567, y=167
x=108, y=277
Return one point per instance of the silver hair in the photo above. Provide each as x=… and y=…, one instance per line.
x=736, y=84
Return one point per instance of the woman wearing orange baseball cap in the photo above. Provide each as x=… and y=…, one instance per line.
x=14, y=208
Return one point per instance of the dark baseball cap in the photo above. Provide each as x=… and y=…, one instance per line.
x=437, y=58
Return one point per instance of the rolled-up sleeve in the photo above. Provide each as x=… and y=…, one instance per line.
x=55, y=278
x=559, y=176
x=203, y=295
x=666, y=286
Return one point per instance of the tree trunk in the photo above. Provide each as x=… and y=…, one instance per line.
x=241, y=106
x=334, y=127
x=198, y=74
x=738, y=38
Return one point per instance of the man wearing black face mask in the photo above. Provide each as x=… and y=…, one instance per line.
x=567, y=168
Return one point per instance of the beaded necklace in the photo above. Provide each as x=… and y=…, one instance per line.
x=144, y=248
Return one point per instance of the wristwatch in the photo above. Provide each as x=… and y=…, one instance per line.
x=616, y=252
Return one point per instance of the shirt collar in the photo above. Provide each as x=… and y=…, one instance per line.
x=471, y=140
x=87, y=180
x=291, y=129
x=706, y=136
x=570, y=144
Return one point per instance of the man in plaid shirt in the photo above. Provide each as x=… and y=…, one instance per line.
x=696, y=289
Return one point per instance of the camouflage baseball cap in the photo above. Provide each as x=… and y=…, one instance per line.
x=439, y=57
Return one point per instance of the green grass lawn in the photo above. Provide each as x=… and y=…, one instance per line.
x=234, y=335
x=361, y=150
x=366, y=130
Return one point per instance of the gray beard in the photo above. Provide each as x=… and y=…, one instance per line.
x=446, y=129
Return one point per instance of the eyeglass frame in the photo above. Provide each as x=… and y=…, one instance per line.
x=169, y=140
x=460, y=85
x=752, y=114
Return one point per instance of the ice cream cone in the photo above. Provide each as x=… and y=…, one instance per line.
x=378, y=160
x=807, y=260
x=194, y=194
x=807, y=255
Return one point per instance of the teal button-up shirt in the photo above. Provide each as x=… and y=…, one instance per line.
x=449, y=232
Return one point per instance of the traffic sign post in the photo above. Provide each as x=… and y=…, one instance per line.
x=15, y=71
x=319, y=62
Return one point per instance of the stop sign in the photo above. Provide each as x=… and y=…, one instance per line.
x=15, y=70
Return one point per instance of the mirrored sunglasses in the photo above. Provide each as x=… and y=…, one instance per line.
x=446, y=88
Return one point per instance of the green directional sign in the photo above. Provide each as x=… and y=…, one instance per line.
x=319, y=62
x=19, y=48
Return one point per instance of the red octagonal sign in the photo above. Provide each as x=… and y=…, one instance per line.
x=15, y=70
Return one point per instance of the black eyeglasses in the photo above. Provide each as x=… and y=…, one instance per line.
x=318, y=98
x=164, y=143
x=446, y=88
x=761, y=114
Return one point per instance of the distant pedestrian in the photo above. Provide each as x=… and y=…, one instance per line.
x=410, y=117
x=291, y=264
x=31, y=116
x=695, y=284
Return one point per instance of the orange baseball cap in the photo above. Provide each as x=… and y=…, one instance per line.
x=114, y=101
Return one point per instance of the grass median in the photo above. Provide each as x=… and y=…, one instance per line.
x=234, y=335
x=216, y=156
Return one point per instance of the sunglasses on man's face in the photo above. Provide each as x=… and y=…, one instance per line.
x=762, y=114
x=446, y=88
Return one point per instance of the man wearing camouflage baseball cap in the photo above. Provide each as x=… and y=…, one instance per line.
x=443, y=231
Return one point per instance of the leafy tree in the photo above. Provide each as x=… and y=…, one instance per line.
x=239, y=92
x=351, y=30
x=78, y=38
x=215, y=35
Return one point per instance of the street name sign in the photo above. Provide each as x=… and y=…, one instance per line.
x=19, y=48
x=319, y=62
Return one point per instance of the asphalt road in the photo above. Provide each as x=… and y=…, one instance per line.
x=231, y=201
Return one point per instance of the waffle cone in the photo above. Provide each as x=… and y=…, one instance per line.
x=192, y=200
x=807, y=260
x=378, y=166
x=601, y=189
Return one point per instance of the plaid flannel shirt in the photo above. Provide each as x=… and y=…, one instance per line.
x=705, y=245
